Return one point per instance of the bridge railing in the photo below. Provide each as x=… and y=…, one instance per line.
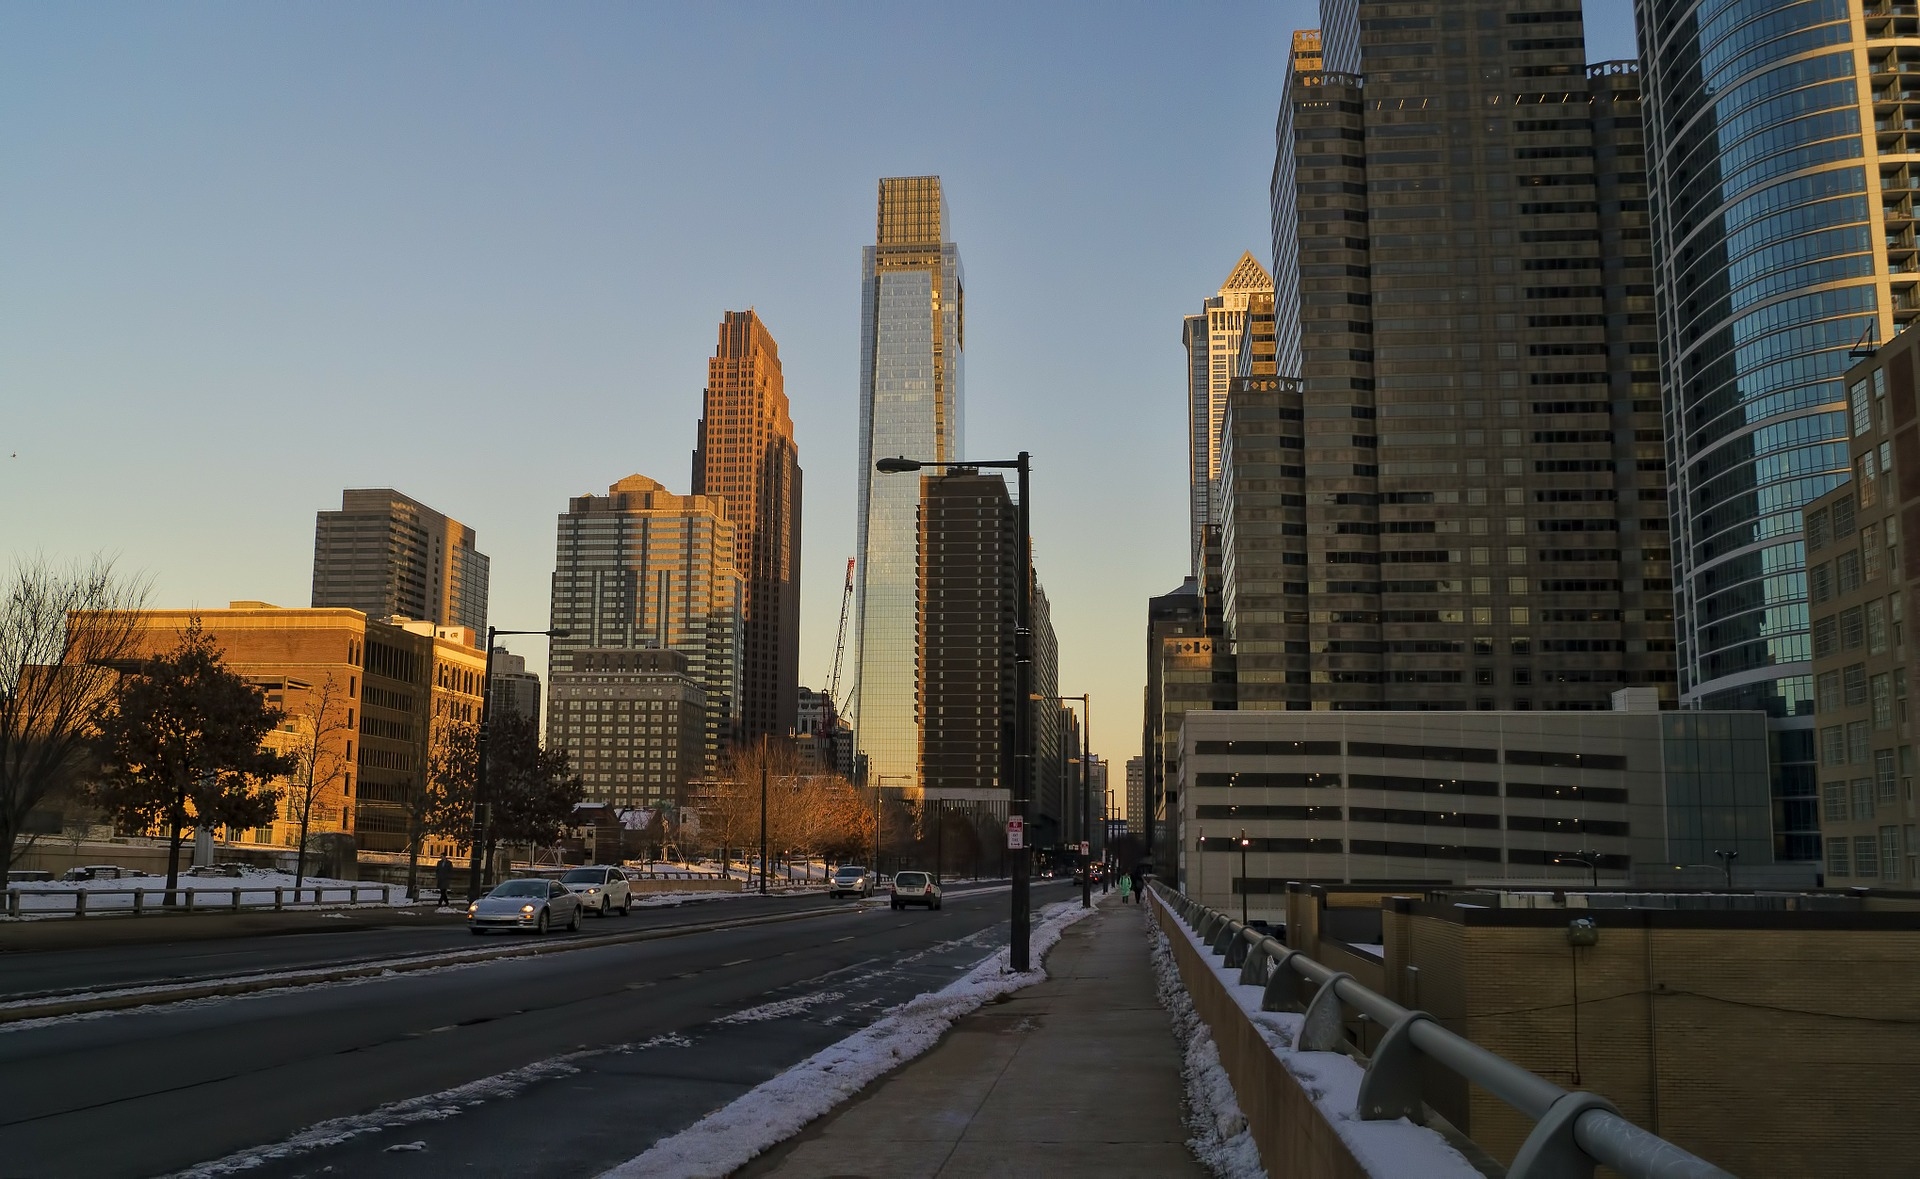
x=191, y=900
x=1572, y=1130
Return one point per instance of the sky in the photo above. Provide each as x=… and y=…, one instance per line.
x=251, y=255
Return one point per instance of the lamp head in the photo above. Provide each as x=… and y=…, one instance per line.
x=896, y=466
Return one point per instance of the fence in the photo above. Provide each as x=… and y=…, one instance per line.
x=1572, y=1130
x=235, y=899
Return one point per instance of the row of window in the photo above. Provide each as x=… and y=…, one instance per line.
x=1517, y=757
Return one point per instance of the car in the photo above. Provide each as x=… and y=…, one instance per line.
x=850, y=880
x=915, y=888
x=602, y=890
x=538, y=905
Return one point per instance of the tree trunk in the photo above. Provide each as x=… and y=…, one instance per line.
x=173, y=860
x=300, y=855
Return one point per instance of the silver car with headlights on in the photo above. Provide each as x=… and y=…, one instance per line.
x=538, y=905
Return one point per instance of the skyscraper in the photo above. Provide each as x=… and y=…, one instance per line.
x=1484, y=523
x=1213, y=342
x=912, y=340
x=746, y=456
x=969, y=556
x=641, y=567
x=1785, y=233
x=387, y=554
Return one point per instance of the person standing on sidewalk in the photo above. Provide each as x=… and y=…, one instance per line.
x=443, y=878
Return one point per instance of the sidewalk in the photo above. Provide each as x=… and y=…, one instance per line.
x=1075, y=1076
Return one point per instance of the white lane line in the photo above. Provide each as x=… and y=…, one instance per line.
x=735, y=962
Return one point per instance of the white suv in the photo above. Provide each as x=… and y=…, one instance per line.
x=915, y=888
x=850, y=880
x=601, y=890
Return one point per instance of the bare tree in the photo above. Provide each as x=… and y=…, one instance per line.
x=324, y=725
x=62, y=631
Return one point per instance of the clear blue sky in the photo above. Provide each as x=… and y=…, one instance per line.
x=253, y=254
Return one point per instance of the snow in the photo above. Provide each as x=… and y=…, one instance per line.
x=213, y=893
x=727, y=1138
x=1395, y=1149
x=1221, y=1139
x=782, y=1008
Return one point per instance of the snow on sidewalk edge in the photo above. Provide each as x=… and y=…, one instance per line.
x=734, y=1134
x=1222, y=1140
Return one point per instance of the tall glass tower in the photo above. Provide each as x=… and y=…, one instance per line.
x=912, y=339
x=1778, y=145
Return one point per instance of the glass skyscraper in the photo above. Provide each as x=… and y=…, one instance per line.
x=912, y=339
x=1784, y=241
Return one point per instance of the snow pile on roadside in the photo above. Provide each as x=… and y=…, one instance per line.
x=1221, y=1139
x=1387, y=1149
x=729, y=1137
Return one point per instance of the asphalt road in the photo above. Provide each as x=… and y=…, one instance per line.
x=556, y=1065
x=25, y=973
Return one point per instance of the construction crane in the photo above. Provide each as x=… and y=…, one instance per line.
x=840, y=644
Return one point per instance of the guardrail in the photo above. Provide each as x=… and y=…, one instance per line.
x=377, y=893
x=1572, y=1130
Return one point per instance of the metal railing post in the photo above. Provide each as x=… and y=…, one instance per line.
x=79, y=902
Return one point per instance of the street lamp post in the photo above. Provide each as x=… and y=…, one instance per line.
x=1244, y=842
x=1726, y=861
x=763, y=828
x=1590, y=860
x=1017, y=950
x=478, y=835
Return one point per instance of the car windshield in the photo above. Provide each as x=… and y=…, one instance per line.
x=851, y=872
x=585, y=876
x=521, y=888
x=916, y=879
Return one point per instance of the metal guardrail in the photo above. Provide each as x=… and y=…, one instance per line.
x=1572, y=1130
x=376, y=892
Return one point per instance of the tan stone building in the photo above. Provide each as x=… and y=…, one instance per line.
x=1859, y=595
x=387, y=682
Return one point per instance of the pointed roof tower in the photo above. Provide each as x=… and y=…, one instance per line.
x=1248, y=275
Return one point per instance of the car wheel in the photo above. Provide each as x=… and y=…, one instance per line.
x=476, y=931
x=606, y=907
x=540, y=924
x=573, y=926
x=936, y=904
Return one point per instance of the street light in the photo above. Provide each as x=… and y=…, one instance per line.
x=1086, y=789
x=1587, y=859
x=1244, y=842
x=1726, y=861
x=1017, y=950
x=480, y=813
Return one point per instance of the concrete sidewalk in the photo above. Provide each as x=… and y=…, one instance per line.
x=1075, y=1076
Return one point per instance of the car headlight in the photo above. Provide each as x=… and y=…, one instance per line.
x=473, y=908
x=592, y=891
x=526, y=910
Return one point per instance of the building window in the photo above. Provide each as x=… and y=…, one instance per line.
x=1876, y=627
x=1833, y=800
x=1890, y=853
x=1826, y=637
x=1863, y=798
x=1854, y=678
x=1846, y=572
x=1820, y=582
x=1886, y=777
x=1866, y=856
x=1853, y=629
x=1882, y=701
x=1819, y=532
x=1873, y=557
x=1837, y=856
x=1827, y=693
x=1833, y=746
x=1859, y=737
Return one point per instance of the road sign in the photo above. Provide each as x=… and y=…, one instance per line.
x=1084, y=849
x=1016, y=833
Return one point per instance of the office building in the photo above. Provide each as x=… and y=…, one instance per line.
x=747, y=457
x=386, y=554
x=1861, y=596
x=824, y=738
x=1136, y=796
x=1213, y=342
x=1785, y=234
x=1624, y=797
x=1186, y=670
x=969, y=559
x=515, y=689
x=641, y=567
x=912, y=340
x=1466, y=303
x=633, y=722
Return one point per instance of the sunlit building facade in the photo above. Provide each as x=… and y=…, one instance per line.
x=1213, y=341
x=912, y=340
x=1781, y=153
x=746, y=456
x=386, y=554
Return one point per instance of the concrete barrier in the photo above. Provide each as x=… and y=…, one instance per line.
x=1294, y=1139
x=648, y=884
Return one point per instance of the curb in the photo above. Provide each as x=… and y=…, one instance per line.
x=153, y=997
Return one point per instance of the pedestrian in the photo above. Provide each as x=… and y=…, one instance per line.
x=1138, y=875
x=1126, y=889
x=443, y=877
x=1106, y=879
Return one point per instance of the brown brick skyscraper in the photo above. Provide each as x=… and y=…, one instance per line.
x=746, y=455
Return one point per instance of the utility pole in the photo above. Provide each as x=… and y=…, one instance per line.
x=763, y=822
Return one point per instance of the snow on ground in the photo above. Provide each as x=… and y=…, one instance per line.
x=1395, y=1149
x=1221, y=1139
x=782, y=1008
x=256, y=887
x=727, y=1138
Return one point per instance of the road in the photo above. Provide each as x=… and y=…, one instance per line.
x=556, y=1065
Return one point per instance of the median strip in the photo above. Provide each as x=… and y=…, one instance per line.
x=165, y=993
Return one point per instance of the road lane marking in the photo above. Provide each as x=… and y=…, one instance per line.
x=735, y=962
x=838, y=940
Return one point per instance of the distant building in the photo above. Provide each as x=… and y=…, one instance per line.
x=1471, y=798
x=515, y=689
x=641, y=567
x=823, y=736
x=969, y=547
x=746, y=455
x=912, y=339
x=1213, y=342
x=386, y=554
x=1136, y=817
x=633, y=722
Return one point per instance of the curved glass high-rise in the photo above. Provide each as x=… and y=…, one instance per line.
x=912, y=337
x=1778, y=140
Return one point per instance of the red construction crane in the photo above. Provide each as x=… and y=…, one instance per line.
x=840, y=644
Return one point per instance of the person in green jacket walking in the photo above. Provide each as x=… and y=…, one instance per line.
x=1126, y=889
